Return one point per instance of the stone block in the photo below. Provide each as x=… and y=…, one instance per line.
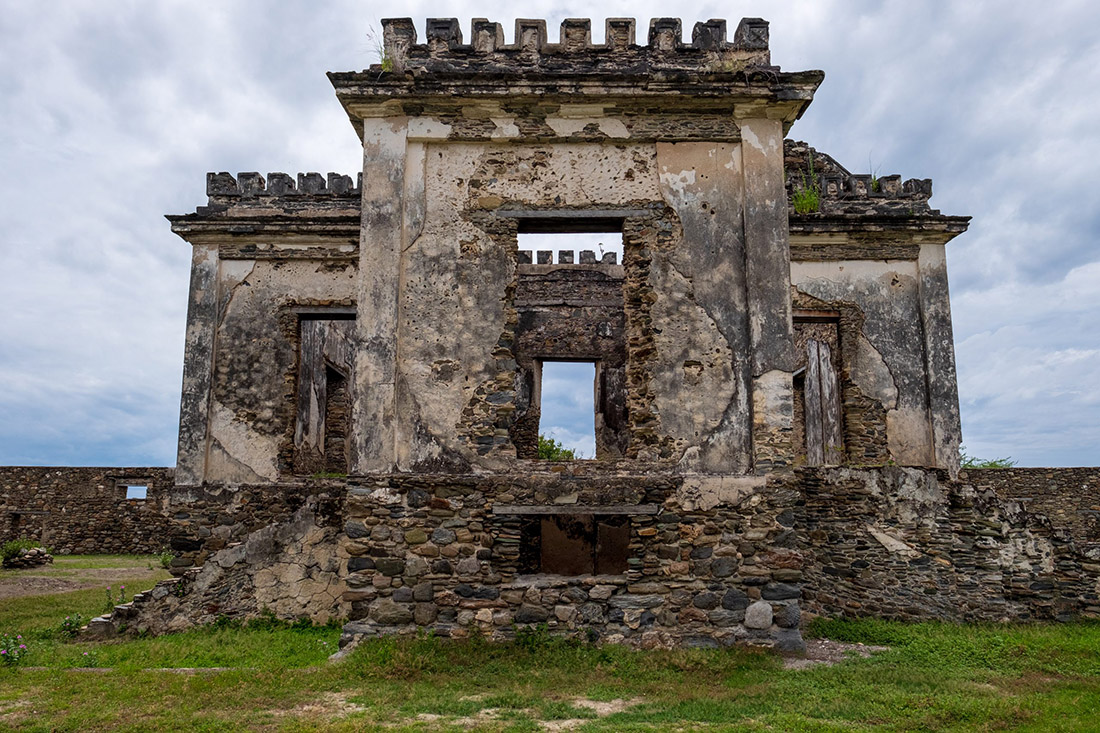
x=758, y=615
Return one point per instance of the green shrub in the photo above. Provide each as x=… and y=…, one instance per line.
x=966, y=461
x=166, y=558
x=552, y=450
x=11, y=548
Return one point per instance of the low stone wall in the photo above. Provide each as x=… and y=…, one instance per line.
x=710, y=561
x=207, y=519
x=292, y=569
x=911, y=544
x=1069, y=497
x=694, y=560
x=82, y=510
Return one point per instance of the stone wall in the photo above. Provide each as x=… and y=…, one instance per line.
x=1069, y=497
x=291, y=568
x=710, y=561
x=208, y=519
x=911, y=544
x=84, y=510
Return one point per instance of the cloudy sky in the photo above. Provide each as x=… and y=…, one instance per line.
x=111, y=113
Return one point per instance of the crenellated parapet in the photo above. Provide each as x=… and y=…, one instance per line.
x=712, y=78
x=841, y=192
x=444, y=45
x=248, y=205
x=223, y=186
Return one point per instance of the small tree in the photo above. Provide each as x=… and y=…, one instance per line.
x=552, y=450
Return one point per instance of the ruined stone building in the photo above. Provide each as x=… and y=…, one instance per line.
x=777, y=422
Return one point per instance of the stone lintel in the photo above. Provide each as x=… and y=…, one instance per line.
x=575, y=509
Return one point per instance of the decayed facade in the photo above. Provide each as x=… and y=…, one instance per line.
x=776, y=409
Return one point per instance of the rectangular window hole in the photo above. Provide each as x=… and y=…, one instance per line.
x=575, y=544
x=571, y=248
x=567, y=405
x=137, y=491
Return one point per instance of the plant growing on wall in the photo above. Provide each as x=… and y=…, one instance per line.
x=807, y=197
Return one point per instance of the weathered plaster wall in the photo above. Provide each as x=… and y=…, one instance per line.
x=683, y=301
x=82, y=510
x=253, y=398
x=701, y=369
x=888, y=361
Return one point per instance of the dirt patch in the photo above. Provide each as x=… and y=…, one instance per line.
x=328, y=705
x=15, y=587
x=61, y=579
x=829, y=652
x=602, y=708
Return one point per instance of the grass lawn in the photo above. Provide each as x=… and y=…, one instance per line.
x=275, y=677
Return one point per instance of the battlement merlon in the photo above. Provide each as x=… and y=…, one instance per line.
x=248, y=205
x=710, y=75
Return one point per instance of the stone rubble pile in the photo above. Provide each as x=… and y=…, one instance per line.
x=31, y=558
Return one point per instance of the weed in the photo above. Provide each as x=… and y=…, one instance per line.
x=165, y=557
x=13, y=649
x=110, y=603
x=534, y=639
x=385, y=60
x=72, y=625
x=807, y=197
x=89, y=659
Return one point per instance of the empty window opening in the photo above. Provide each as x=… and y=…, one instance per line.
x=568, y=248
x=567, y=402
x=137, y=491
x=575, y=544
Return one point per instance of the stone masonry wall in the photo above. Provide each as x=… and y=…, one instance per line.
x=910, y=544
x=84, y=510
x=207, y=519
x=291, y=568
x=711, y=561
x=1069, y=497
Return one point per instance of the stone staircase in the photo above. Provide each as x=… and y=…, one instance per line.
x=121, y=616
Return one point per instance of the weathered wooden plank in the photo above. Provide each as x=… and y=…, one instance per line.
x=831, y=431
x=815, y=443
x=338, y=347
x=309, y=428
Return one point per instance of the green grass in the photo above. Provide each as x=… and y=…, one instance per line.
x=937, y=677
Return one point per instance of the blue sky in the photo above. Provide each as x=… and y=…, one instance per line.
x=110, y=115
